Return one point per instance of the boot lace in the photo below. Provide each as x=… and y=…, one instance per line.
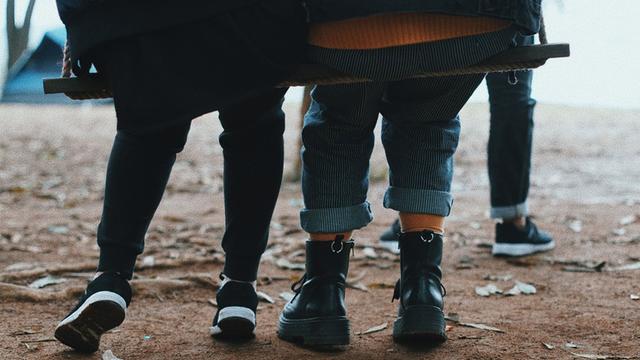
x=297, y=286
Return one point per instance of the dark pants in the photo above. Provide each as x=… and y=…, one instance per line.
x=140, y=165
x=510, y=141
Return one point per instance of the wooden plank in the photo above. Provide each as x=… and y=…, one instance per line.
x=513, y=59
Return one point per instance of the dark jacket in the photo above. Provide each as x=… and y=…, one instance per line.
x=91, y=22
x=523, y=13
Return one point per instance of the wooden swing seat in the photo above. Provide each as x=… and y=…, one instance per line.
x=95, y=86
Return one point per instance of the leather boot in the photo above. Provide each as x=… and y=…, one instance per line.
x=317, y=314
x=420, y=315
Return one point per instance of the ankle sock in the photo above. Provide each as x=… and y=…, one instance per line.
x=346, y=236
x=412, y=222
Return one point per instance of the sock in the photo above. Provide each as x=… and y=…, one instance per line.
x=412, y=222
x=226, y=279
x=330, y=236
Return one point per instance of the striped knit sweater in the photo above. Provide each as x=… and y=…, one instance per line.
x=388, y=30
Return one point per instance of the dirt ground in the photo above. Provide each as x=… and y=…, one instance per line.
x=584, y=191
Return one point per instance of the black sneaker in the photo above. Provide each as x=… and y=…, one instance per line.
x=512, y=241
x=100, y=309
x=236, y=315
x=389, y=238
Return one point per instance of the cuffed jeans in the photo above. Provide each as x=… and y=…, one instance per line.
x=140, y=165
x=420, y=132
x=510, y=141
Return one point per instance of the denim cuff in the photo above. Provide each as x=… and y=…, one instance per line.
x=510, y=212
x=418, y=201
x=334, y=220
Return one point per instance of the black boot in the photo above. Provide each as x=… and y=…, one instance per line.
x=420, y=315
x=317, y=314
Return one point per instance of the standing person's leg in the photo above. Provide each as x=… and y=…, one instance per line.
x=338, y=140
x=420, y=135
x=137, y=174
x=509, y=163
x=253, y=150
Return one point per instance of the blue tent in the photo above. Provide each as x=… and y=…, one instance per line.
x=24, y=80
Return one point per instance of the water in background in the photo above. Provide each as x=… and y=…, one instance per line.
x=603, y=70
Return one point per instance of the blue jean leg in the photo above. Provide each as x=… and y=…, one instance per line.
x=337, y=143
x=510, y=142
x=420, y=135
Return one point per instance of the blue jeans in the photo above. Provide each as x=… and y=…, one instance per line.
x=420, y=132
x=510, y=142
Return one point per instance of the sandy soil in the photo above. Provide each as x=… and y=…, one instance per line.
x=584, y=191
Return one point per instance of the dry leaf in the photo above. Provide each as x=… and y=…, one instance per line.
x=454, y=317
x=600, y=357
x=571, y=345
x=357, y=286
x=482, y=327
x=619, y=232
x=488, y=290
x=628, y=220
x=586, y=267
x=213, y=302
x=521, y=288
x=264, y=297
x=369, y=253
x=20, y=266
x=505, y=277
x=632, y=266
x=373, y=329
x=288, y=265
x=381, y=286
x=58, y=229
x=287, y=295
x=46, y=281
x=174, y=219
x=575, y=226
x=108, y=355
x=548, y=346
x=148, y=261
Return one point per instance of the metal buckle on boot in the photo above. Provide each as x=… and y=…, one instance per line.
x=425, y=239
x=333, y=249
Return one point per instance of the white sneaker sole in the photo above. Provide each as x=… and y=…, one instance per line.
x=98, y=314
x=521, y=249
x=236, y=321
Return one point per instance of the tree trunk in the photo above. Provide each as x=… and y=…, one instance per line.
x=17, y=37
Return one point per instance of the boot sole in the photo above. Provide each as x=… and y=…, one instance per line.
x=82, y=329
x=420, y=323
x=315, y=332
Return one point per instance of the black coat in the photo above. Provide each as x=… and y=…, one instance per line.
x=523, y=13
x=91, y=22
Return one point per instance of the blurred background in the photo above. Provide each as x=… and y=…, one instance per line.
x=601, y=72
